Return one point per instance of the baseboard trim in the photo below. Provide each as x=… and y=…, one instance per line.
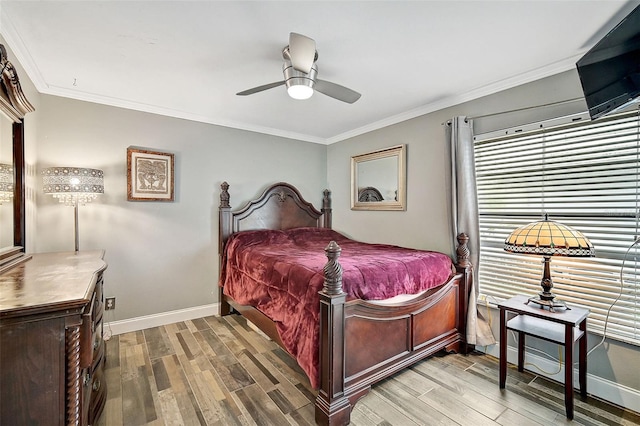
x=597, y=386
x=163, y=318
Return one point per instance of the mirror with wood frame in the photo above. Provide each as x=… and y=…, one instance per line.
x=378, y=180
x=6, y=182
x=13, y=107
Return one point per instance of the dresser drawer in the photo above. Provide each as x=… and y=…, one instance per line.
x=98, y=301
x=87, y=335
x=98, y=394
x=98, y=352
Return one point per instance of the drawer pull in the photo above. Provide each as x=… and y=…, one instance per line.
x=87, y=379
x=96, y=385
x=96, y=342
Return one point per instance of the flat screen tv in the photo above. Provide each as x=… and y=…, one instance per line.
x=610, y=71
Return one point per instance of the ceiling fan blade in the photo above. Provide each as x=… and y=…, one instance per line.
x=336, y=91
x=260, y=88
x=302, y=50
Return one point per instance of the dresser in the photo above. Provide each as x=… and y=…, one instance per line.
x=52, y=354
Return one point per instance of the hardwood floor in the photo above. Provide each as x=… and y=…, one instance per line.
x=219, y=371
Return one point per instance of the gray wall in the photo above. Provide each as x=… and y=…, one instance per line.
x=162, y=256
x=426, y=224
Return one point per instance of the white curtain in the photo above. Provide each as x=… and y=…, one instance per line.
x=464, y=210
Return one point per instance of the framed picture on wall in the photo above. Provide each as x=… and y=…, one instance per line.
x=149, y=175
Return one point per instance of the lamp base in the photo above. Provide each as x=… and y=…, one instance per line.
x=544, y=300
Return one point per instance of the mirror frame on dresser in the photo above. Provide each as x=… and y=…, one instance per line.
x=366, y=197
x=14, y=105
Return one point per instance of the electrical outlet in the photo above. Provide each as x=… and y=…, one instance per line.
x=109, y=303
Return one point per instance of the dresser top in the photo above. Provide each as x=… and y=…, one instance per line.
x=50, y=282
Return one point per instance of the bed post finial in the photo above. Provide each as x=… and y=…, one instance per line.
x=326, y=209
x=326, y=199
x=224, y=195
x=462, y=251
x=333, y=270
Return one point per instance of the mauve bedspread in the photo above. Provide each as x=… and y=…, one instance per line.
x=280, y=273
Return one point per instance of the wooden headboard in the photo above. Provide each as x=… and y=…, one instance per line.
x=280, y=206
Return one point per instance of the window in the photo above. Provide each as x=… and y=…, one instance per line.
x=585, y=175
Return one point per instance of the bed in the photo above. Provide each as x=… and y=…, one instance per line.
x=358, y=342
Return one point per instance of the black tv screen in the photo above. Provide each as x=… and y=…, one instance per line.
x=610, y=71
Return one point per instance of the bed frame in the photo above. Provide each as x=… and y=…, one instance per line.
x=361, y=343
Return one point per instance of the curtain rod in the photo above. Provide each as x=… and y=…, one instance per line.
x=527, y=108
x=448, y=122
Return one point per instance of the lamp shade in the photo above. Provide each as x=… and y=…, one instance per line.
x=6, y=183
x=549, y=238
x=73, y=185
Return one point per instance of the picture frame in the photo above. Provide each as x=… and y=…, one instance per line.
x=149, y=175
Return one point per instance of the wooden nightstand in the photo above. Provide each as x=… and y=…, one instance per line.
x=563, y=327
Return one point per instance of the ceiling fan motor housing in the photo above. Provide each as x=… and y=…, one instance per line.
x=293, y=77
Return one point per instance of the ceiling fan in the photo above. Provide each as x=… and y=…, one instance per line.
x=300, y=73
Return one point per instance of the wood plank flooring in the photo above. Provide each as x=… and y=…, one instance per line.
x=219, y=371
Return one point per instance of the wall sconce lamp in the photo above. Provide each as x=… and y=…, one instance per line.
x=6, y=183
x=548, y=238
x=73, y=186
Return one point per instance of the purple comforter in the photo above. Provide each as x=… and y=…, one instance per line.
x=280, y=273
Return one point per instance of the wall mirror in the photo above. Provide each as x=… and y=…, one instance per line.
x=13, y=107
x=378, y=180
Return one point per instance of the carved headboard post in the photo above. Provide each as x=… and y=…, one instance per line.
x=224, y=229
x=224, y=215
x=326, y=209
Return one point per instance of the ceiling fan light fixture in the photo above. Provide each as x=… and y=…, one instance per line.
x=299, y=84
x=300, y=91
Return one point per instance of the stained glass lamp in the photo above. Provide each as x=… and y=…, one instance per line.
x=548, y=238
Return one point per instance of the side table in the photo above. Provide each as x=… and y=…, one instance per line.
x=563, y=326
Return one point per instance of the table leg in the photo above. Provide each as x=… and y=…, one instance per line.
x=521, y=351
x=503, y=349
x=582, y=363
x=568, y=370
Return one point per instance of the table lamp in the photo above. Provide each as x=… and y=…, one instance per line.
x=548, y=238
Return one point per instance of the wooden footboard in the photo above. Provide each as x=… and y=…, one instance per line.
x=361, y=342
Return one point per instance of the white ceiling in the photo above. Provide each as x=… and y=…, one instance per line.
x=188, y=59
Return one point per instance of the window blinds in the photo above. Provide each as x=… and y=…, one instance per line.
x=585, y=175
